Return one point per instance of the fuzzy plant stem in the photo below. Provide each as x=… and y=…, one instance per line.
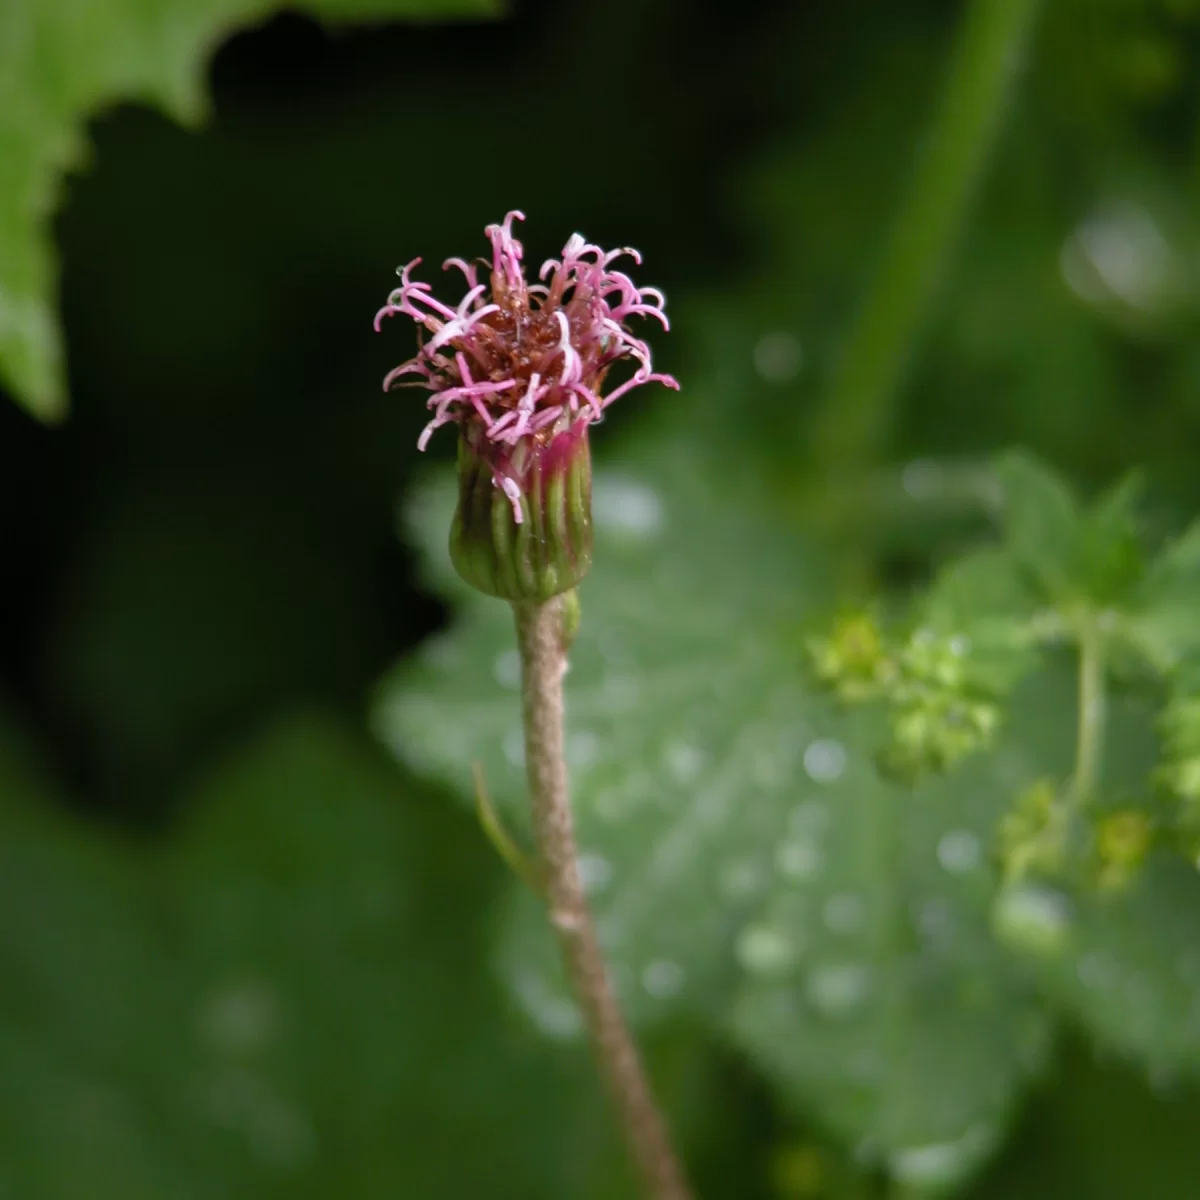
x=540, y=638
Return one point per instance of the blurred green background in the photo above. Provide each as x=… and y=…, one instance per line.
x=246, y=951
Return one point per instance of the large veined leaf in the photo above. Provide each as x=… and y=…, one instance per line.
x=874, y=995
x=288, y=1002
x=746, y=863
x=345, y=1035
x=61, y=61
x=1129, y=970
x=86, y=1012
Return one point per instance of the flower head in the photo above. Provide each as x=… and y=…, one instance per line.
x=517, y=365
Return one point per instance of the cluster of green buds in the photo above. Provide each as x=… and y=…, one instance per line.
x=853, y=660
x=937, y=714
x=520, y=368
x=1122, y=840
x=1031, y=839
x=1045, y=835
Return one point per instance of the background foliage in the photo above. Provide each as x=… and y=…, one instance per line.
x=252, y=942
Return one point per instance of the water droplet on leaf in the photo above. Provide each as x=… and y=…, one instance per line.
x=595, y=873
x=778, y=356
x=959, y=851
x=838, y=989
x=684, y=762
x=514, y=747
x=627, y=507
x=825, y=760
x=506, y=670
x=798, y=862
x=763, y=950
x=843, y=912
x=662, y=978
x=1033, y=918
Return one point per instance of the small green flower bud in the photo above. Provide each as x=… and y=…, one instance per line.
x=1031, y=838
x=935, y=660
x=1122, y=842
x=523, y=527
x=852, y=660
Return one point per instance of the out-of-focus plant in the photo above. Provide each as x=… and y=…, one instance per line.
x=61, y=63
x=1067, y=577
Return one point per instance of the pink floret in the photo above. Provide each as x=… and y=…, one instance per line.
x=517, y=362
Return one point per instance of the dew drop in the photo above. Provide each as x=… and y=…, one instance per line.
x=1099, y=970
x=959, y=851
x=506, y=670
x=838, y=989
x=1120, y=251
x=809, y=817
x=768, y=770
x=514, y=747
x=922, y=479
x=239, y=1017
x=843, y=912
x=825, y=760
x=278, y=1132
x=619, y=693
x=935, y=921
x=612, y=804
x=583, y=749
x=627, y=507
x=938, y=1165
x=595, y=872
x=798, y=861
x=684, y=762
x=556, y=1016
x=613, y=647
x=1032, y=918
x=764, y=950
x=741, y=879
x=778, y=356
x=443, y=654
x=662, y=978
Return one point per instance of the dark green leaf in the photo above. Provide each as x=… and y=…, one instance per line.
x=60, y=63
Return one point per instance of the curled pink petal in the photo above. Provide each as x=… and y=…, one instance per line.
x=516, y=360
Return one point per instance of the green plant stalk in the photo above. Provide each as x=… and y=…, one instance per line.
x=542, y=635
x=853, y=423
x=1089, y=736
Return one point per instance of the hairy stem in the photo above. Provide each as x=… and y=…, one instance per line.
x=1089, y=736
x=540, y=638
x=853, y=422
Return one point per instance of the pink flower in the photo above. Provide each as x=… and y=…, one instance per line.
x=515, y=364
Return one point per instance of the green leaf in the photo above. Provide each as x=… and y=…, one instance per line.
x=875, y=996
x=343, y=1013
x=62, y=62
x=1163, y=624
x=1130, y=974
x=291, y=1001
x=1071, y=554
x=1111, y=558
x=1101, y=1132
x=1042, y=523
x=984, y=599
x=745, y=861
x=87, y=1017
